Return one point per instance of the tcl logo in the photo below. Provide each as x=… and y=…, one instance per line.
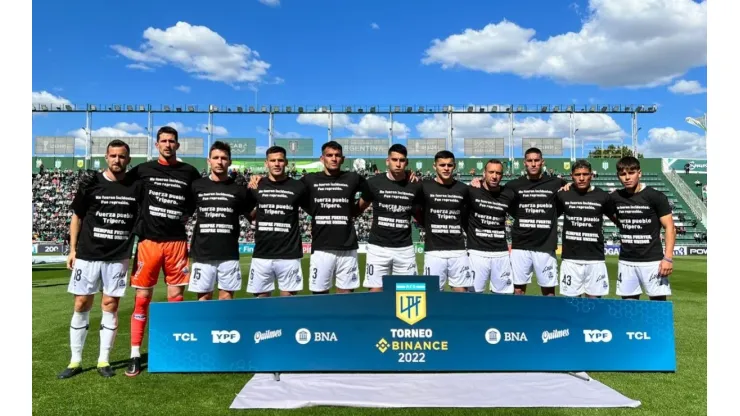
x=640, y=336
x=186, y=337
x=597, y=335
x=224, y=337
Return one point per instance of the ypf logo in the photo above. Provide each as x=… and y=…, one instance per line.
x=225, y=337
x=597, y=335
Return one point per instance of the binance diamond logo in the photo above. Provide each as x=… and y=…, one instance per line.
x=382, y=345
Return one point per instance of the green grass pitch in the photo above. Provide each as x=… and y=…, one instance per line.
x=684, y=392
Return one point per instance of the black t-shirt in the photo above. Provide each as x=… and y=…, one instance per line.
x=445, y=213
x=583, y=221
x=108, y=210
x=535, y=213
x=166, y=199
x=487, y=211
x=393, y=205
x=331, y=206
x=278, y=234
x=639, y=223
x=216, y=230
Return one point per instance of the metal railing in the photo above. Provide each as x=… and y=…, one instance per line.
x=692, y=200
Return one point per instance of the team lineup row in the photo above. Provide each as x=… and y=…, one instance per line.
x=465, y=243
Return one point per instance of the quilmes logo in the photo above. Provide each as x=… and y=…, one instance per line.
x=555, y=334
x=269, y=334
x=597, y=335
x=411, y=302
x=225, y=337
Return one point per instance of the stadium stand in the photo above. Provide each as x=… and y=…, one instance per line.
x=54, y=189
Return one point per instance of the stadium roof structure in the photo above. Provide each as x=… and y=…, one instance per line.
x=344, y=109
x=272, y=110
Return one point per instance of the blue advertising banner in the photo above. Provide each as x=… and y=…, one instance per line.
x=411, y=326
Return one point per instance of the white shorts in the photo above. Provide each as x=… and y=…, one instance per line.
x=579, y=277
x=493, y=268
x=449, y=266
x=89, y=277
x=524, y=262
x=382, y=261
x=327, y=264
x=264, y=272
x=633, y=277
x=203, y=276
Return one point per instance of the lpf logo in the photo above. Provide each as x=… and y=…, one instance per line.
x=411, y=302
x=224, y=337
x=596, y=335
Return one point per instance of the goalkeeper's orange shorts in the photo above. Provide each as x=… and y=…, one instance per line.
x=153, y=256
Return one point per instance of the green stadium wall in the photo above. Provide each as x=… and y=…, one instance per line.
x=464, y=165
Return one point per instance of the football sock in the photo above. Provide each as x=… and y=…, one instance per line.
x=77, y=334
x=108, y=330
x=138, y=323
x=177, y=298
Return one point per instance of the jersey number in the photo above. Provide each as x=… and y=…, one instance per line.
x=196, y=274
x=427, y=271
x=567, y=279
x=78, y=274
x=314, y=272
x=369, y=269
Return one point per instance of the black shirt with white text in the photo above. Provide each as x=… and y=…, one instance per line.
x=278, y=233
x=166, y=199
x=331, y=206
x=583, y=222
x=487, y=213
x=392, y=206
x=444, y=215
x=108, y=210
x=218, y=207
x=535, y=213
x=639, y=223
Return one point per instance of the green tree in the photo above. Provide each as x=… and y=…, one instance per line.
x=614, y=152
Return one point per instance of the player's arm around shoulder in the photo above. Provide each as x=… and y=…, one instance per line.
x=79, y=208
x=663, y=210
x=610, y=207
x=365, y=199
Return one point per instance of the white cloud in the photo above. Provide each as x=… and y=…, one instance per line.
x=45, y=97
x=177, y=125
x=322, y=120
x=271, y=3
x=669, y=142
x=370, y=125
x=121, y=130
x=374, y=25
x=129, y=127
x=621, y=43
x=140, y=66
x=199, y=51
x=183, y=88
x=687, y=87
x=217, y=130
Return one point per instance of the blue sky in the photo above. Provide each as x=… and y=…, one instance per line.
x=292, y=52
